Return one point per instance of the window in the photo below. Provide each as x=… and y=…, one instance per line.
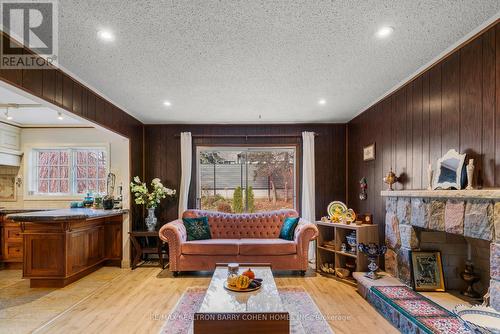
x=246, y=179
x=68, y=171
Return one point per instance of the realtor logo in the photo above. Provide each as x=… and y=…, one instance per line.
x=30, y=24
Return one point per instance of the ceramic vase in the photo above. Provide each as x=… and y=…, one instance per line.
x=470, y=174
x=151, y=220
x=372, y=251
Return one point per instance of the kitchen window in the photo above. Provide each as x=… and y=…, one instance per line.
x=68, y=171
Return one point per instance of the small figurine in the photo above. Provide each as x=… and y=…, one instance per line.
x=363, y=185
x=343, y=247
x=470, y=174
x=390, y=179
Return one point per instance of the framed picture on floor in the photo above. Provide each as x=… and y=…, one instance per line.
x=369, y=152
x=427, y=271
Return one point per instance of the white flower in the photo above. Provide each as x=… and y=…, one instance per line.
x=144, y=196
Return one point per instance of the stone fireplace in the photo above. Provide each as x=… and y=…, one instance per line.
x=459, y=223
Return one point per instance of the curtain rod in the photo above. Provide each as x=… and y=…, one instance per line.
x=248, y=136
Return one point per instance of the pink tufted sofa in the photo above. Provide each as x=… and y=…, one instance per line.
x=241, y=238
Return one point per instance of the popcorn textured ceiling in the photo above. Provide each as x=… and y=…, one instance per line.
x=230, y=61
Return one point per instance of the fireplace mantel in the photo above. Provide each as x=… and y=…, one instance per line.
x=445, y=194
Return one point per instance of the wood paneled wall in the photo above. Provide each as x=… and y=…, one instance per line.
x=60, y=89
x=453, y=104
x=162, y=154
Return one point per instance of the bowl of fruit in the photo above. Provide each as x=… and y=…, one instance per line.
x=245, y=282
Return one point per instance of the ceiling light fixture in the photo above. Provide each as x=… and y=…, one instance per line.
x=60, y=116
x=106, y=35
x=7, y=115
x=322, y=102
x=167, y=103
x=384, y=32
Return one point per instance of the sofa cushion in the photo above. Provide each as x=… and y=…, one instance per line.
x=267, y=247
x=211, y=247
x=288, y=228
x=197, y=228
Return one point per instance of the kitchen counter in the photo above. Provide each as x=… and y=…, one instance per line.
x=63, y=215
x=62, y=246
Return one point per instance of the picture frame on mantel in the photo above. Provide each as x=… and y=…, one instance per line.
x=369, y=152
x=427, y=271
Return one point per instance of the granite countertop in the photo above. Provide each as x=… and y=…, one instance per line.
x=64, y=214
x=4, y=211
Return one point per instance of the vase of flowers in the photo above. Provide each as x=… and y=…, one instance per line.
x=151, y=199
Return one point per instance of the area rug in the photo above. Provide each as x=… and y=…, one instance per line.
x=411, y=312
x=305, y=317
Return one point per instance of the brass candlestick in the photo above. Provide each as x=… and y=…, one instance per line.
x=470, y=278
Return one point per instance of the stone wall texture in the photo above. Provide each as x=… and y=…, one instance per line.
x=420, y=211
x=454, y=217
x=496, y=221
x=436, y=221
x=478, y=221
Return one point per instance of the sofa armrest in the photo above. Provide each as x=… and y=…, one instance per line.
x=304, y=233
x=174, y=233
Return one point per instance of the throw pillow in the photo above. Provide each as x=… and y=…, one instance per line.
x=197, y=228
x=288, y=228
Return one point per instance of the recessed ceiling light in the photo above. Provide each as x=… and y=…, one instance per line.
x=106, y=35
x=167, y=103
x=322, y=102
x=60, y=116
x=384, y=32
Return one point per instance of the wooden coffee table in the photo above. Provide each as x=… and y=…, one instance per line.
x=227, y=312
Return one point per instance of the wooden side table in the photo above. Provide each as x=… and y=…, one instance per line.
x=140, y=251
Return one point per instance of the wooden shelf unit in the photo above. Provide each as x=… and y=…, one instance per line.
x=366, y=233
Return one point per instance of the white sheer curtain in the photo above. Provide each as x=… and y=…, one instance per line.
x=186, y=162
x=308, y=192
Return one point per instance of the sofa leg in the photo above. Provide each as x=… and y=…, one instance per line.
x=176, y=273
x=302, y=273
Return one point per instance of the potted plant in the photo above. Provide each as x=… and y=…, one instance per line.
x=151, y=200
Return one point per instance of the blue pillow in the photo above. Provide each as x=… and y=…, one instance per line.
x=288, y=228
x=197, y=228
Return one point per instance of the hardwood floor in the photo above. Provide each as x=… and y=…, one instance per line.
x=114, y=300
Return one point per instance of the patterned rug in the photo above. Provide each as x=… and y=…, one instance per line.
x=411, y=312
x=305, y=317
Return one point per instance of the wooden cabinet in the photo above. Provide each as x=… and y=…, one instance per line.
x=10, y=137
x=10, y=145
x=59, y=252
x=329, y=250
x=11, y=243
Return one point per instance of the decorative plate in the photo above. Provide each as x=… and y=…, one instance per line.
x=235, y=289
x=478, y=318
x=350, y=216
x=336, y=208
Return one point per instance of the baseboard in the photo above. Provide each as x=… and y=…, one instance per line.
x=125, y=264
